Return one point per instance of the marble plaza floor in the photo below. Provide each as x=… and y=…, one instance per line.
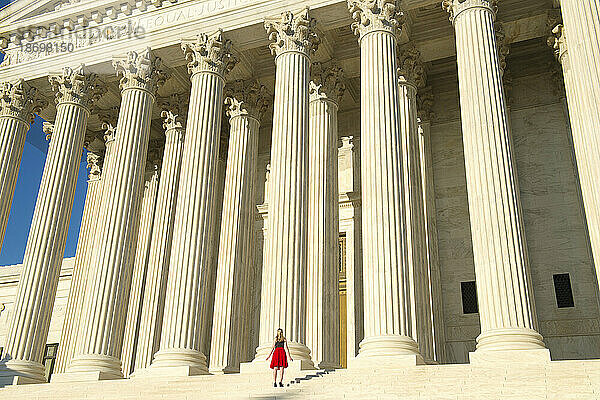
x=557, y=380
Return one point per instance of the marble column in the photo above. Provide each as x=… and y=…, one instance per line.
x=18, y=103
x=322, y=297
x=30, y=320
x=112, y=262
x=247, y=102
x=283, y=295
x=581, y=38
x=140, y=261
x=425, y=115
x=389, y=303
x=411, y=77
x=209, y=58
x=68, y=337
x=506, y=302
x=80, y=289
x=162, y=233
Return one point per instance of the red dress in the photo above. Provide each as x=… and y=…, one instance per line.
x=279, y=358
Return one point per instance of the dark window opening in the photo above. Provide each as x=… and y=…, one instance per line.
x=563, y=291
x=50, y=359
x=469, y=297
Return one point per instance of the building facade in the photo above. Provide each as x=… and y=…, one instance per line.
x=400, y=179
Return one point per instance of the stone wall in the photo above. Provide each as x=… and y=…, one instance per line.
x=9, y=279
x=554, y=222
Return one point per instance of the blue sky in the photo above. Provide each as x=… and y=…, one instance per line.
x=28, y=183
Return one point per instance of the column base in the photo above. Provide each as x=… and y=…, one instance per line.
x=91, y=368
x=223, y=370
x=20, y=372
x=177, y=362
x=536, y=356
x=510, y=339
x=387, y=350
x=388, y=345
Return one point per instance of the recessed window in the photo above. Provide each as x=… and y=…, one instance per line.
x=563, y=291
x=50, y=359
x=469, y=297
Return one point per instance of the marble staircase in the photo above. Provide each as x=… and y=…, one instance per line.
x=557, y=380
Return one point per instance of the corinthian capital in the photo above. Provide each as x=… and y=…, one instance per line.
x=327, y=83
x=173, y=111
x=94, y=165
x=48, y=129
x=246, y=98
x=19, y=100
x=140, y=70
x=410, y=66
x=503, y=46
x=209, y=53
x=456, y=7
x=558, y=42
x=292, y=32
x=76, y=86
x=375, y=15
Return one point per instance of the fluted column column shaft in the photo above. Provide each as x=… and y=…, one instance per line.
x=582, y=75
x=46, y=242
x=235, y=246
x=117, y=225
x=12, y=140
x=77, y=290
x=415, y=218
x=386, y=272
x=190, y=256
x=506, y=307
x=322, y=298
x=160, y=249
x=138, y=278
x=435, y=288
x=284, y=283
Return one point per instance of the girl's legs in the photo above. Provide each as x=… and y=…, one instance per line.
x=282, y=369
x=275, y=374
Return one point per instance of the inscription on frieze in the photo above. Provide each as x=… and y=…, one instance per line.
x=137, y=27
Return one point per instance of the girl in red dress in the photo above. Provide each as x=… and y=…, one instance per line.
x=279, y=360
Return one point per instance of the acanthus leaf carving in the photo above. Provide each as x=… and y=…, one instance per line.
x=327, y=82
x=48, y=129
x=209, y=53
x=456, y=7
x=375, y=15
x=246, y=98
x=76, y=85
x=503, y=45
x=94, y=164
x=174, y=111
x=292, y=32
x=140, y=70
x=20, y=100
x=425, y=101
x=410, y=66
